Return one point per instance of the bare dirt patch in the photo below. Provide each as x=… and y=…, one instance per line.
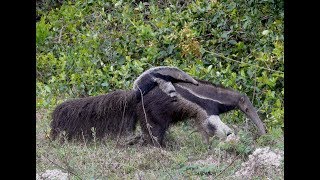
x=261, y=161
x=54, y=174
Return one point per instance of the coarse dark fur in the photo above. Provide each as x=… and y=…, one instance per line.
x=110, y=115
x=114, y=113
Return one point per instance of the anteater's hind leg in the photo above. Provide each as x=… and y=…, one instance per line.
x=132, y=124
x=53, y=134
x=134, y=139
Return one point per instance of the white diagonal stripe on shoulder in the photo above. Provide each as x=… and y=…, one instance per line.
x=198, y=95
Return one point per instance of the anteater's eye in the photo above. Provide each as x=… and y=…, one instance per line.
x=247, y=110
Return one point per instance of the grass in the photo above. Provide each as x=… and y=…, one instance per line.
x=186, y=156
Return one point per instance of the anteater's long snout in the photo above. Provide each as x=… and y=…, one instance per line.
x=246, y=106
x=257, y=121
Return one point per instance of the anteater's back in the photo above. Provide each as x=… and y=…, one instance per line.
x=111, y=114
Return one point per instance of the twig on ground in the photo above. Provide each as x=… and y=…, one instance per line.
x=147, y=124
x=66, y=169
x=60, y=34
x=227, y=166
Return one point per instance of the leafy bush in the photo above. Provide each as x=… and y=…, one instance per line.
x=87, y=48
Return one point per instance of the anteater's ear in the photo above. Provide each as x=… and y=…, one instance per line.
x=242, y=99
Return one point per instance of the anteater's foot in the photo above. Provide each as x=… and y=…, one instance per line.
x=134, y=140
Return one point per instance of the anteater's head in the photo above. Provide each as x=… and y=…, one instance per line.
x=174, y=74
x=245, y=106
x=184, y=77
x=215, y=127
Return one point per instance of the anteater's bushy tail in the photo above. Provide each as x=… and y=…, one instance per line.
x=111, y=115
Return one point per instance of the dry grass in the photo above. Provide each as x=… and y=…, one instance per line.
x=186, y=157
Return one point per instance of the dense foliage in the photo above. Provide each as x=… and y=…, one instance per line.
x=91, y=47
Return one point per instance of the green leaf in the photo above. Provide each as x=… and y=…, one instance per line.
x=105, y=84
x=225, y=34
x=233, y=42
x=47, y=88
